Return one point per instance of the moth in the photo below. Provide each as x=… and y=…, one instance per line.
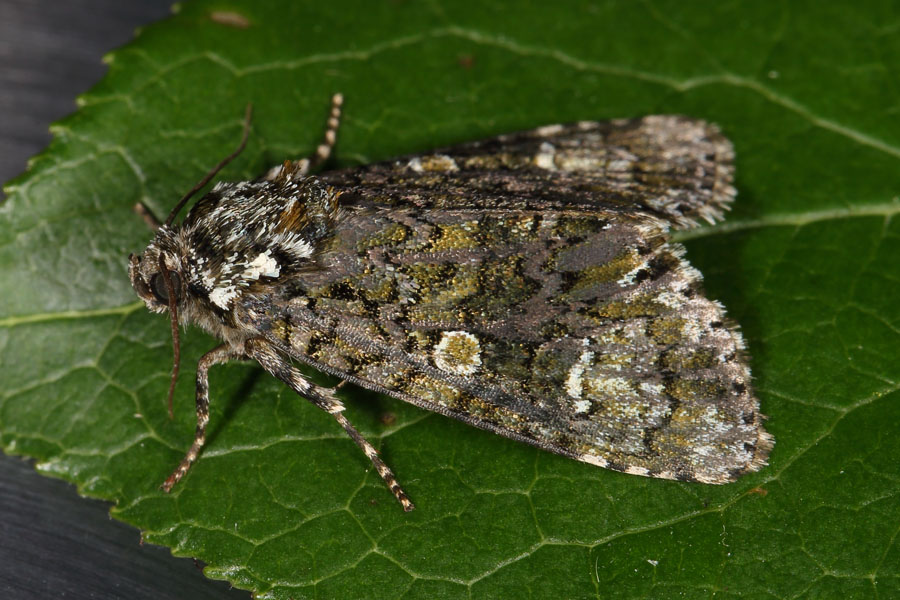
x=524, y=284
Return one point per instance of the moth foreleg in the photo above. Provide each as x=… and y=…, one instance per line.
x=299, y=168
x=217, y=355
x=273, y=362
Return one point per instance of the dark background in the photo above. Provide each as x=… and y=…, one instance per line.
x=53, y=543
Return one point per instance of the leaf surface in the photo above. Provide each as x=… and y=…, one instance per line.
x=281, y=502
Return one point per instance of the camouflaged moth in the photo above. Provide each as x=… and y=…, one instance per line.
x=524, y=284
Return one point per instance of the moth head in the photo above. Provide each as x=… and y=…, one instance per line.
x=157, y=278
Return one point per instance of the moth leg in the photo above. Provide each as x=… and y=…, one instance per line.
x=299, y=168
x=217, y=355
x=324, y=398
x=149, y=218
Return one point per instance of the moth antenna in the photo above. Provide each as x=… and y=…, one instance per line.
x=145, y=213
x=176, y=341
x=212, y=173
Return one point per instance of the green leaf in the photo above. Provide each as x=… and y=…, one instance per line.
x=281, y=502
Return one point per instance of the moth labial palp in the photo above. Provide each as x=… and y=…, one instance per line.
x=525, y=284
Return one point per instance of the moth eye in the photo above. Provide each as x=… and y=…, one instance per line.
x=159, y=289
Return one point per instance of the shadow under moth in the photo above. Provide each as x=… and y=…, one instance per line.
x=524, y=284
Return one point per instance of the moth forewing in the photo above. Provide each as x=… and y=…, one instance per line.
x=584, y=335
x=524, y=284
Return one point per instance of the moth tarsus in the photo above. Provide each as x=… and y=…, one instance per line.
x=524, y=284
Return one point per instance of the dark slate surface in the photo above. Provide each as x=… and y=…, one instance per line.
x=53, y=543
